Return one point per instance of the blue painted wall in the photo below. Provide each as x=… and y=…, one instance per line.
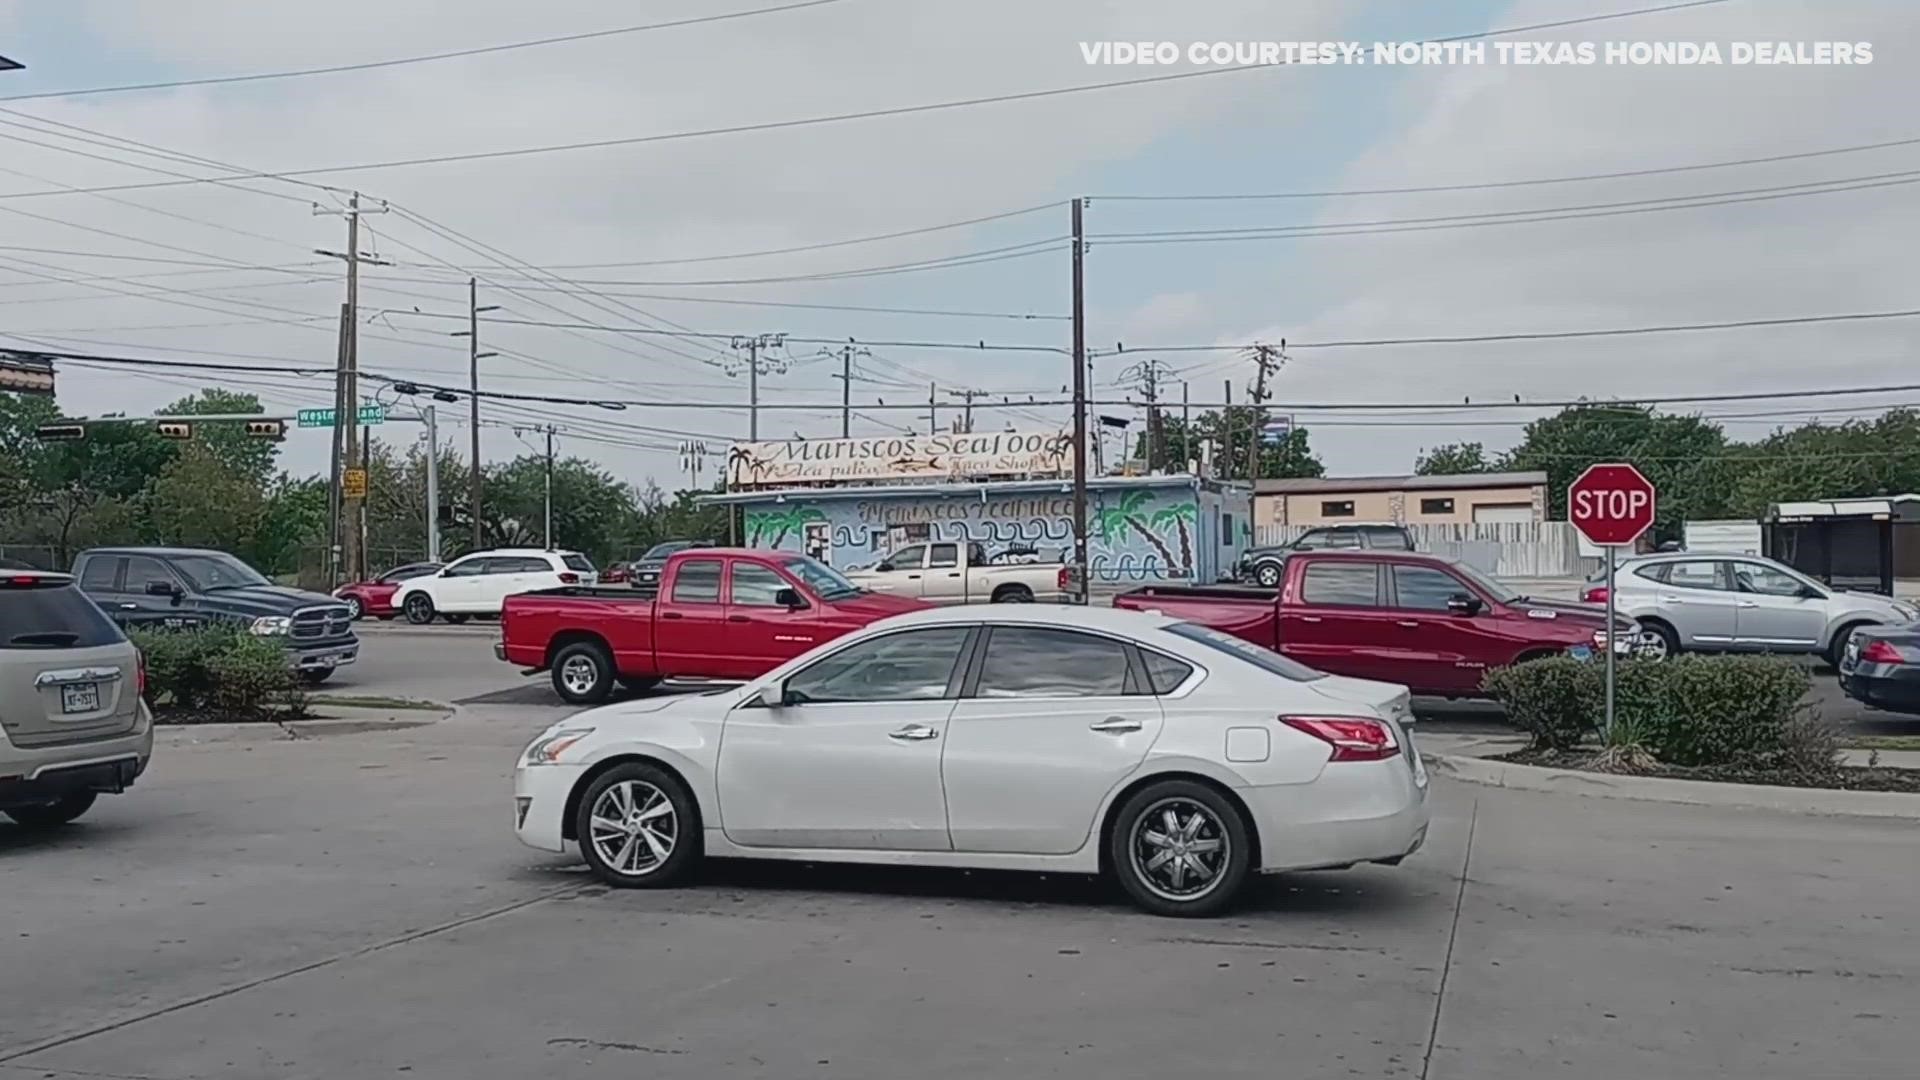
x=1143, y=534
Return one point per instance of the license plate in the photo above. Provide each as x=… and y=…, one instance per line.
x=80, y=697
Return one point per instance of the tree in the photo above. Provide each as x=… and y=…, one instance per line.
x=1455, y=459
x=592, y=511
x=227, y=441
x=1225, y=434
x=1684, y=456
x=203, y=500
x=293, y=532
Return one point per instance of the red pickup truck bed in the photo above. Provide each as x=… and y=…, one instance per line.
x=720, y=613
x=1433, y=625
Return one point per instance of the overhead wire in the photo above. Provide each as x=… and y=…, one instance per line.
x=886, y=111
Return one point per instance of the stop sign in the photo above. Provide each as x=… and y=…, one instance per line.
x=1611, y=504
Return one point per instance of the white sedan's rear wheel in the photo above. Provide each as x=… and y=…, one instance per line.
x=1180, y=848
x=638, y=827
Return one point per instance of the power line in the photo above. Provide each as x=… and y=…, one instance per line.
x=866, y=114
x=1535, y=182
x=121, y=161
x=724, y=335
x=742, y=302
x=1539, y=335
x=371, y=65
x=1502, y=217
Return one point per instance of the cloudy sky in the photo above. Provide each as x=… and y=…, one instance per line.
x=632, y=236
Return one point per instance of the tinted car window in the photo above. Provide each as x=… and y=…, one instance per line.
x=467, y=568
x=207, y=571
x=911, y=666
x=98, y=574
x=908, y=558
x=945, y=555
x=1422, y=588
x=1765, y=580
x=408, y=573
x=141, y=570
x=1027, y=661
x=1695, y=575
x=1348, y=585
x=576, y=561
x=57, y=617
x=698, y=582
x=755, y=585
x=1265, y=659
x=1164, y=672
x=1384, y=537
x=1656, y=572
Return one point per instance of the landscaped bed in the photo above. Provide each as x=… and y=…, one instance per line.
x=1726, y=719
x=1839, y=777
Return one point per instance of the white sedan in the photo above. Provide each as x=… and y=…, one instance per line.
x=1176, y=758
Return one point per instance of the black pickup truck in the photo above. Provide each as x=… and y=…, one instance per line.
x=179, y=587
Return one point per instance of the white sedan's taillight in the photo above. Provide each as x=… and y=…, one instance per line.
x=1353, y=738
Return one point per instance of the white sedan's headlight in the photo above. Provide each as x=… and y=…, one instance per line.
x=271, y=625
x=546, y=749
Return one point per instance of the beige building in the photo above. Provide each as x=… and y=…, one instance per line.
x=1403, y=500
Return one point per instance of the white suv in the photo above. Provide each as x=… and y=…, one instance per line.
x=478, y=584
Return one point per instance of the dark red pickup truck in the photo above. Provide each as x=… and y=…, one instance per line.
x=720, y=613
x=1433, y=625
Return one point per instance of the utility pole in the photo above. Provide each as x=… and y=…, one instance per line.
x=474, y=356
x=754, y=346
x=1152, y=390
x=692, y=456
x=549, y=530
x=347, y=415
x=334, y=501
x=1266, y=359
x=1186, y=429
x=966, y=416
x=933, y=409
x=1079, y=398
x=1226, y=428
x=433, y=484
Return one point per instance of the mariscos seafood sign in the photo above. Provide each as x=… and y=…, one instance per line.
x=900, y=457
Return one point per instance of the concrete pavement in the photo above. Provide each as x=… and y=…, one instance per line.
x=356, y=907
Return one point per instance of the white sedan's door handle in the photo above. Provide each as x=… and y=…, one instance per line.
x=1746, y=603
x=913, y=732
x=1116, y=724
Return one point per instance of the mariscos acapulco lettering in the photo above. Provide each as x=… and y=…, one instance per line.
x=903, y=456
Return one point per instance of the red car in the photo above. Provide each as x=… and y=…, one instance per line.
x=375, y=598
x=1431, y=624
x=720, y=613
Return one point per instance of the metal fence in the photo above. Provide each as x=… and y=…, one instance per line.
x=38, y=556
x=1515, y=549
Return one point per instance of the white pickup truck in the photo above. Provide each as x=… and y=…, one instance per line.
x=956, y=573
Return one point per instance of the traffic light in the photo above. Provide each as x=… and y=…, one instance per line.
x=60, y=432
x=266, y=429
x=174, y=429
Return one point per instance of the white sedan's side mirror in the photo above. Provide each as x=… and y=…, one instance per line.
x=771, y=696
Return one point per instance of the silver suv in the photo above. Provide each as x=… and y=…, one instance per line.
x=1740, y=603
x=72, y=722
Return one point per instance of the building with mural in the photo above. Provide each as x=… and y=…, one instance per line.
x=851, y=502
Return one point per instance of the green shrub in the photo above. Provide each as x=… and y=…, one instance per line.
x=1556, y=700
x=218, y=670
x=250, y=676
x=1687, y=710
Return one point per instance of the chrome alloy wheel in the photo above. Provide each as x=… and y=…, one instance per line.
x=634, y=828
x=1179, y=849
x=1650, y=644
x=579, y=673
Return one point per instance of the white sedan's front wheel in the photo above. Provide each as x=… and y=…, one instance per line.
x=1180, y=848
x=638, y=827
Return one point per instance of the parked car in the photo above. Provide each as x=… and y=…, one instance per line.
x=722, y=613
x=1264, y=565
x=963, y=573
x=645, y=571
x=375, y=598
x=180, y=587
x=73, y=725
x=1436, y=625
x=1880, y=666
x=1739, y=603
x=1083, y=740
x=616, y=574
x=479, y=584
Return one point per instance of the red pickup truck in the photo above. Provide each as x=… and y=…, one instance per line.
x=720, y=613
x=1433, y=625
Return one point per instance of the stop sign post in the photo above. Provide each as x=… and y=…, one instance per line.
x=1612, y=505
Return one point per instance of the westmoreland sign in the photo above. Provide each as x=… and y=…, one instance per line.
x=900, y=457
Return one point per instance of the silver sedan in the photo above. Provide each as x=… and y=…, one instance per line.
x=1740, y=603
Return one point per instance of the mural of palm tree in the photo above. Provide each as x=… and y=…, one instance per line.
x=1178, y=515
x=1125, y=514
x=779, y=523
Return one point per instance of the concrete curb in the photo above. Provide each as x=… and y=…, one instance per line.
x=348, y=722
x=1818, y=801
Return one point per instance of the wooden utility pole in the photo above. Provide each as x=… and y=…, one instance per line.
x=334, y=502
x=1226, y=434
x=346, y=418
x=754, y=346
x=1186, y=429
x=474, y=356
x=1079, y=395
x=966, y=414
x=1266, y=359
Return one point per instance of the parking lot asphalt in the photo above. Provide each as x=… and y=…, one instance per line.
x=357, y=907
